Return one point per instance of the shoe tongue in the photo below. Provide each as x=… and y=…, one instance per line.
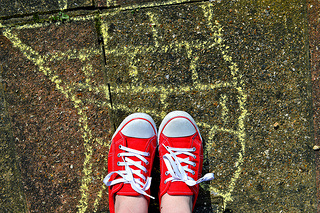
x=179, y=188
x=184, y=142
x=136, y=143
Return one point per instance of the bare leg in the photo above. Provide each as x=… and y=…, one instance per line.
x=130, y=204
x=176, y=204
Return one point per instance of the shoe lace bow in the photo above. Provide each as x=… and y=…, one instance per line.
x=127, y=174
x=177, y=171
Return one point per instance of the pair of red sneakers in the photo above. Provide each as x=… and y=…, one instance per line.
x=133, y=149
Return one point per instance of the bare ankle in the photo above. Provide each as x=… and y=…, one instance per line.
x=176, y=204
x=131, y=204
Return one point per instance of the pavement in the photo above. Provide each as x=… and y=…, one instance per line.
x=247, y=71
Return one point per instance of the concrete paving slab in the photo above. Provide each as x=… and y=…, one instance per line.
x=57, y=99
x=11, y=192
x=314, y=34
x=18, y=8
x=241, y=70
x=314, y=7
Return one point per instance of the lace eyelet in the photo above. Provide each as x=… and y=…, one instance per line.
x=120, y=146
x=118, y=155
x=166, y=173
x=194, y=157
x=194, y=149
x=147, y=163
x=193, y=172
x=194, y=164
x=118, y=163
x=165, y=182
x=148, y=154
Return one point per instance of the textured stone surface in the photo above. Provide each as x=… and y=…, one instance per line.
x=11, y=192
x=240, y=68
x=242, y=71
x=136, y=3
x=14, y=8
x=314, y=34
x=57, y=102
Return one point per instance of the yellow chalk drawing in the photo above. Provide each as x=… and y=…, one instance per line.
x=154, y=23
x=111, y=3
x=82, y=18
x=130, y=52
x=238, y=85
x=225, y=110
x=141, y=5
x=70, y=92
x=63, y=4
x=68, y=89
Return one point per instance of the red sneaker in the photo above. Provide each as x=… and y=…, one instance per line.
x=181, y=156
x=131, y=157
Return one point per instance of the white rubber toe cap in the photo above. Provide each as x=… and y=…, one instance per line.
x=137, y=125
x=179, y=127
x=138, y=128
x=178, y=124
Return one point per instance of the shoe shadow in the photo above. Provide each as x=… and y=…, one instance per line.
x=155, y=174
x=204, y=203
x=207, y=202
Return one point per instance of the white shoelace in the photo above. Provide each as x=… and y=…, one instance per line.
x=178, y=172
x=127, y=174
